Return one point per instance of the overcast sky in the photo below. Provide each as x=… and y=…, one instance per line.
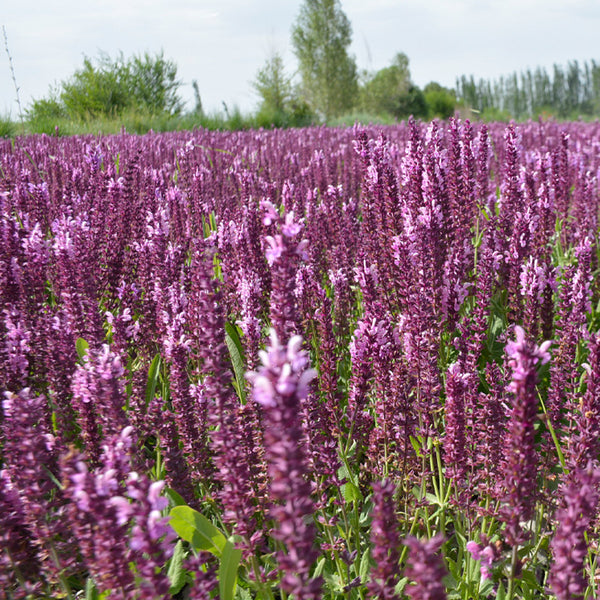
x=222, y=43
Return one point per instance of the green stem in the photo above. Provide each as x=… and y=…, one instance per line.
x=264, y=590
x=513, y=573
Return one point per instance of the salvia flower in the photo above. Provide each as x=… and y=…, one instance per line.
x=280, y=386
x=569, y=548
x=520, y=466
x=385, y=538
x=425, y=569
x=486, y=554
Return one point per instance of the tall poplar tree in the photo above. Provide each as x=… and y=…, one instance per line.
x=321, y=37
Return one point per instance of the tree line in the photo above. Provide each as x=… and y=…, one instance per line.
x=565, y=92
x=326, y=87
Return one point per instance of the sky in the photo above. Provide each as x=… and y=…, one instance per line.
x=223, y=43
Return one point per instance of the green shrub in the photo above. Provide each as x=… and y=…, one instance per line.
x=109, y=87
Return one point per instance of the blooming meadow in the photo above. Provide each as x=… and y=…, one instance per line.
x=322, y=363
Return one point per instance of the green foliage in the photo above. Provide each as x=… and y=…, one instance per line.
x=107, y=87
x=273, y=86
x=381, y=89
x=566, y=92
x=441, y=102
x=321, y=37
x=236, y=353
x=364, y=118
x=7, y=127
x=195, y=528
x=281, y=105
x=389, y=91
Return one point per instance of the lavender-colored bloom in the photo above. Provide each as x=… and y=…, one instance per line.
x=150, y=537
x=236, y=455
x=280, y=386
x=574, y=305
x=21, y=573
x=102, y=540
x=455, y=439
x=177, y=468
x=487, y=554
x=17, y=347
x=284, y=252
x=116, y=515
x=425, y=569
x=385, y=537
x=30, y=453
x=520, y=465
x=370, y=344
x=99, y=398
x=569, y=548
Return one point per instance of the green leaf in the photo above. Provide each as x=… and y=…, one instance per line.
x=175, y=498
x=236, y=351
x=82, y=348
x=501, y=593
x=351, y=492
x=212, y=220
x=196, y=529
x=434, y=500
x=176, y=572
x=91, y=592
x=364, y=568
x=153, y=373
x=319, y=567
x=228, y=570
x=417, y=444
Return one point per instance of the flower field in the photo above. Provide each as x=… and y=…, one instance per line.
x=321, y=363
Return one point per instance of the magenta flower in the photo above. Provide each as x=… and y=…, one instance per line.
x=520, y=466
x=280, y=386
x=425, y=569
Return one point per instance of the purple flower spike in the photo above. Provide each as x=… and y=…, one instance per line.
x=280, y=386
x=520, y=466
x=426, y=569
x=386, y=542
x=569, y=548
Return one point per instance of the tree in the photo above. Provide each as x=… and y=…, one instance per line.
x=441, y=101
x=273, y=86
x=321, y=37
x=390, y=91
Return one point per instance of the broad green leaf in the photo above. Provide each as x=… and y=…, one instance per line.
x=434, y=500
x=196, y=529
x=82, y=348
x=176, y=572
x=417, y=444
x=228, y=570
x=153, y=373
x=236, y=351
x=399, y=587
x=351, y=492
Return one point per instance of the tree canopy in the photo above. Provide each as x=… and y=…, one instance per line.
x=321, y=37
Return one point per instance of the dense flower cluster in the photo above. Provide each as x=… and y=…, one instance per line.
x=410, y=276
